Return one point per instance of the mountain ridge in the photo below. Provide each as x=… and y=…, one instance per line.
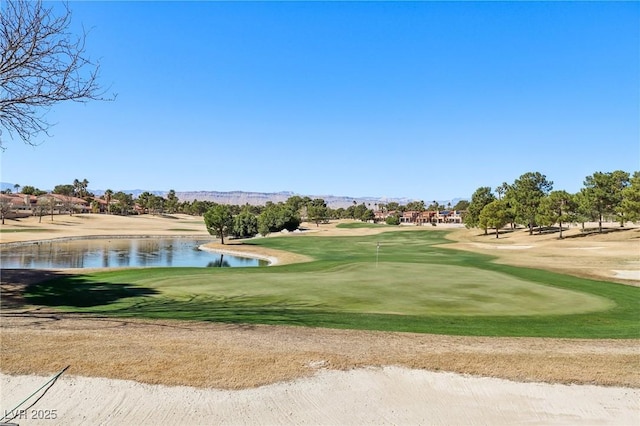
x=261, y=198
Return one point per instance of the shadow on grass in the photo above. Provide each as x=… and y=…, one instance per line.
x=14, y=282
x=244, y=311
x=595, y=231
x=232, y=310
x=78, y=291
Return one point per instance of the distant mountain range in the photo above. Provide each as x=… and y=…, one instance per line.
x=261, y=198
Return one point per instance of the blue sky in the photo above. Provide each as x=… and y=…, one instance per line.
x=426, y=100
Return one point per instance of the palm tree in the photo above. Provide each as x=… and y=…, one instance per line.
x=84, y=185
x=16, y=187
x=107, y=197
x=80, y=187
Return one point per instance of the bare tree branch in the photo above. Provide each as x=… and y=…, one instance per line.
x=41, y=64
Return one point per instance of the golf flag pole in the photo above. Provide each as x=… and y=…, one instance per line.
x=377, y=253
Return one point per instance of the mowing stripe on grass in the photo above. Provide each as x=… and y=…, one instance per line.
x=417, y=287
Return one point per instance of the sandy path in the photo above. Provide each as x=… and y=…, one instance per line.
x=389, y=395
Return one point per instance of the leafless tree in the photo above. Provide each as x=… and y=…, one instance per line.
x=42, y=207
x=41, y=64
x=5, y=207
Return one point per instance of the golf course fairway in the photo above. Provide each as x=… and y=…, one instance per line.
x=396, y=281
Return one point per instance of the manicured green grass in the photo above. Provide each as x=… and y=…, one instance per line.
x=411, y=285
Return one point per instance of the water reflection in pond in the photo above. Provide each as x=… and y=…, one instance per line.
x=119, y=253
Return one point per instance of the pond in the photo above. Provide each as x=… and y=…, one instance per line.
x=119, y=253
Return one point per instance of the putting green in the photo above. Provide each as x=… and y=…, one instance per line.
x=418, y=285
x=389, y=288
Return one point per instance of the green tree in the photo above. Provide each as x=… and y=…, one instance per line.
x=433, y=207
x=28, y=190
x=31, y=190
x=124, y=203
x=289, y=218
x=603, y=193
x=219, y=221
x=64, y=190
x=368, y=216
x=557, y=207
x=151, y=203
x=276, y=217
x=268, y=219
x=296, y=202
x=198, y=207
x=501, y=190
x=630, y=204
x=461, y=205
x=525, y=195
x=263, y=227
x=584, y=210
x=417, y=206
x=360, y=212
x=95, y=206
x=172, y=202
x=480, y=198
x=494, y=215
x=317, y=211
x=245, y=224
x=392, y=206
x=392, y=220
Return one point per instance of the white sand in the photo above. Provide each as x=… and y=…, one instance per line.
x=627, y=274
x=271, y=259
x=390, y=395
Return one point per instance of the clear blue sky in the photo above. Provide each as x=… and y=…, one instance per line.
x=426, y=100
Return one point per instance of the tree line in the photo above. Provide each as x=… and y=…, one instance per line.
x=531, y=201
x=239, y=221
x=313, y=210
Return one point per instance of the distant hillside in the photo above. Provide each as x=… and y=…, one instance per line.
x=261, y=198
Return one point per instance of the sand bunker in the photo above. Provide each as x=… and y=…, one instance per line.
x=627, y=274
x=389, y=395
